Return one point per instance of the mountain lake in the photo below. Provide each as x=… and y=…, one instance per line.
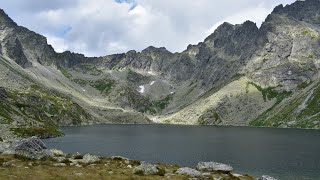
x=282, y=153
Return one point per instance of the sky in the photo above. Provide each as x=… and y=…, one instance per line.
x=101, y=27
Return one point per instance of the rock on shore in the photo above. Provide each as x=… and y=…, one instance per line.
x=189, y=171
x=214, y=166
x=32, y=148
x=146, y=169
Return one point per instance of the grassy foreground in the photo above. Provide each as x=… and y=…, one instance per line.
x=14, y=167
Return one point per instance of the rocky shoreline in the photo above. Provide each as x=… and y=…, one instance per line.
x=30, y=158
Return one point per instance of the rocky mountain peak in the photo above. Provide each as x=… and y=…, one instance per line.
x=307, y=10
x=233, y=32
x=152, y=49
x=223, y=29
x=5, y=20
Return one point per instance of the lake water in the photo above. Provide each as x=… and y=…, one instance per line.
x=282, y=153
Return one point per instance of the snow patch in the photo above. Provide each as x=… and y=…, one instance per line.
x=152, y=73
x=141, y=89
x=152, y=83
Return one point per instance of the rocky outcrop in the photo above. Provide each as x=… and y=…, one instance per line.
x=13, y=49
x=88, y=158
x=266, y=177
x=57, y=152
x=189, y=172
x=146, y=169
x=32, y=148
x=306, y=11
x=214, y=166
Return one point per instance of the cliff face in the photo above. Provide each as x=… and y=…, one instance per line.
x=239, y=75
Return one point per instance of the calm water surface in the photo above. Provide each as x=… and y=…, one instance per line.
x=282, y=153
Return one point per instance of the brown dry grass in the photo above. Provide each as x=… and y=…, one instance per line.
x=42, y=170
x=106, y=169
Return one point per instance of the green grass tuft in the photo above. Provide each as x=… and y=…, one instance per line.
x=64, y=72
x=270, y=93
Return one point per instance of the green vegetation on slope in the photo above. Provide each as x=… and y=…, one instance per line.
x=64, y=72
x=103, y=85
x=209, y=115
x=88, y=69
x=304, y=85
x=158, y=106
x=311, y=109
x=44, y=132
x=302, y=111
x=270, y=93
x=162, y=104
x=38, y=111
x=310, y=33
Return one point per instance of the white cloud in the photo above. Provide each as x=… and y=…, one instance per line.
x=100, y=27
x=58, y=43
x=257, y=15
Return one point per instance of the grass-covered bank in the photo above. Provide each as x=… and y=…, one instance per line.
x=17, y=167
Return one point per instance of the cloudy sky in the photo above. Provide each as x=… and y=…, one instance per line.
x=100, y=27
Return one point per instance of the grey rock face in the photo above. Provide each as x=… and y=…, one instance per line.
x=5, y=20
x=4, y=147
x=307, y=11
x=88, y=158
x=14, y=50
x=189, y=172
x=57, y=152
x=266, y=177
x=32, y=148
x=214, y=166
x=146, y=169
x=290, y=53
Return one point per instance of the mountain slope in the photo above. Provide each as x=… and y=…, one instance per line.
x=240, y=75
x=287, y=59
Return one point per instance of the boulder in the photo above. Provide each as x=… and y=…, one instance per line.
x=59, y=165
x=32, y=148
x=266, y=177
x=206, y=174
x=57, y=152
x=4, y=147
x=214, y=166
x=88, y=158
x=119, y=158
x=146, y=169
x=59, y=159
x=189, y=172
